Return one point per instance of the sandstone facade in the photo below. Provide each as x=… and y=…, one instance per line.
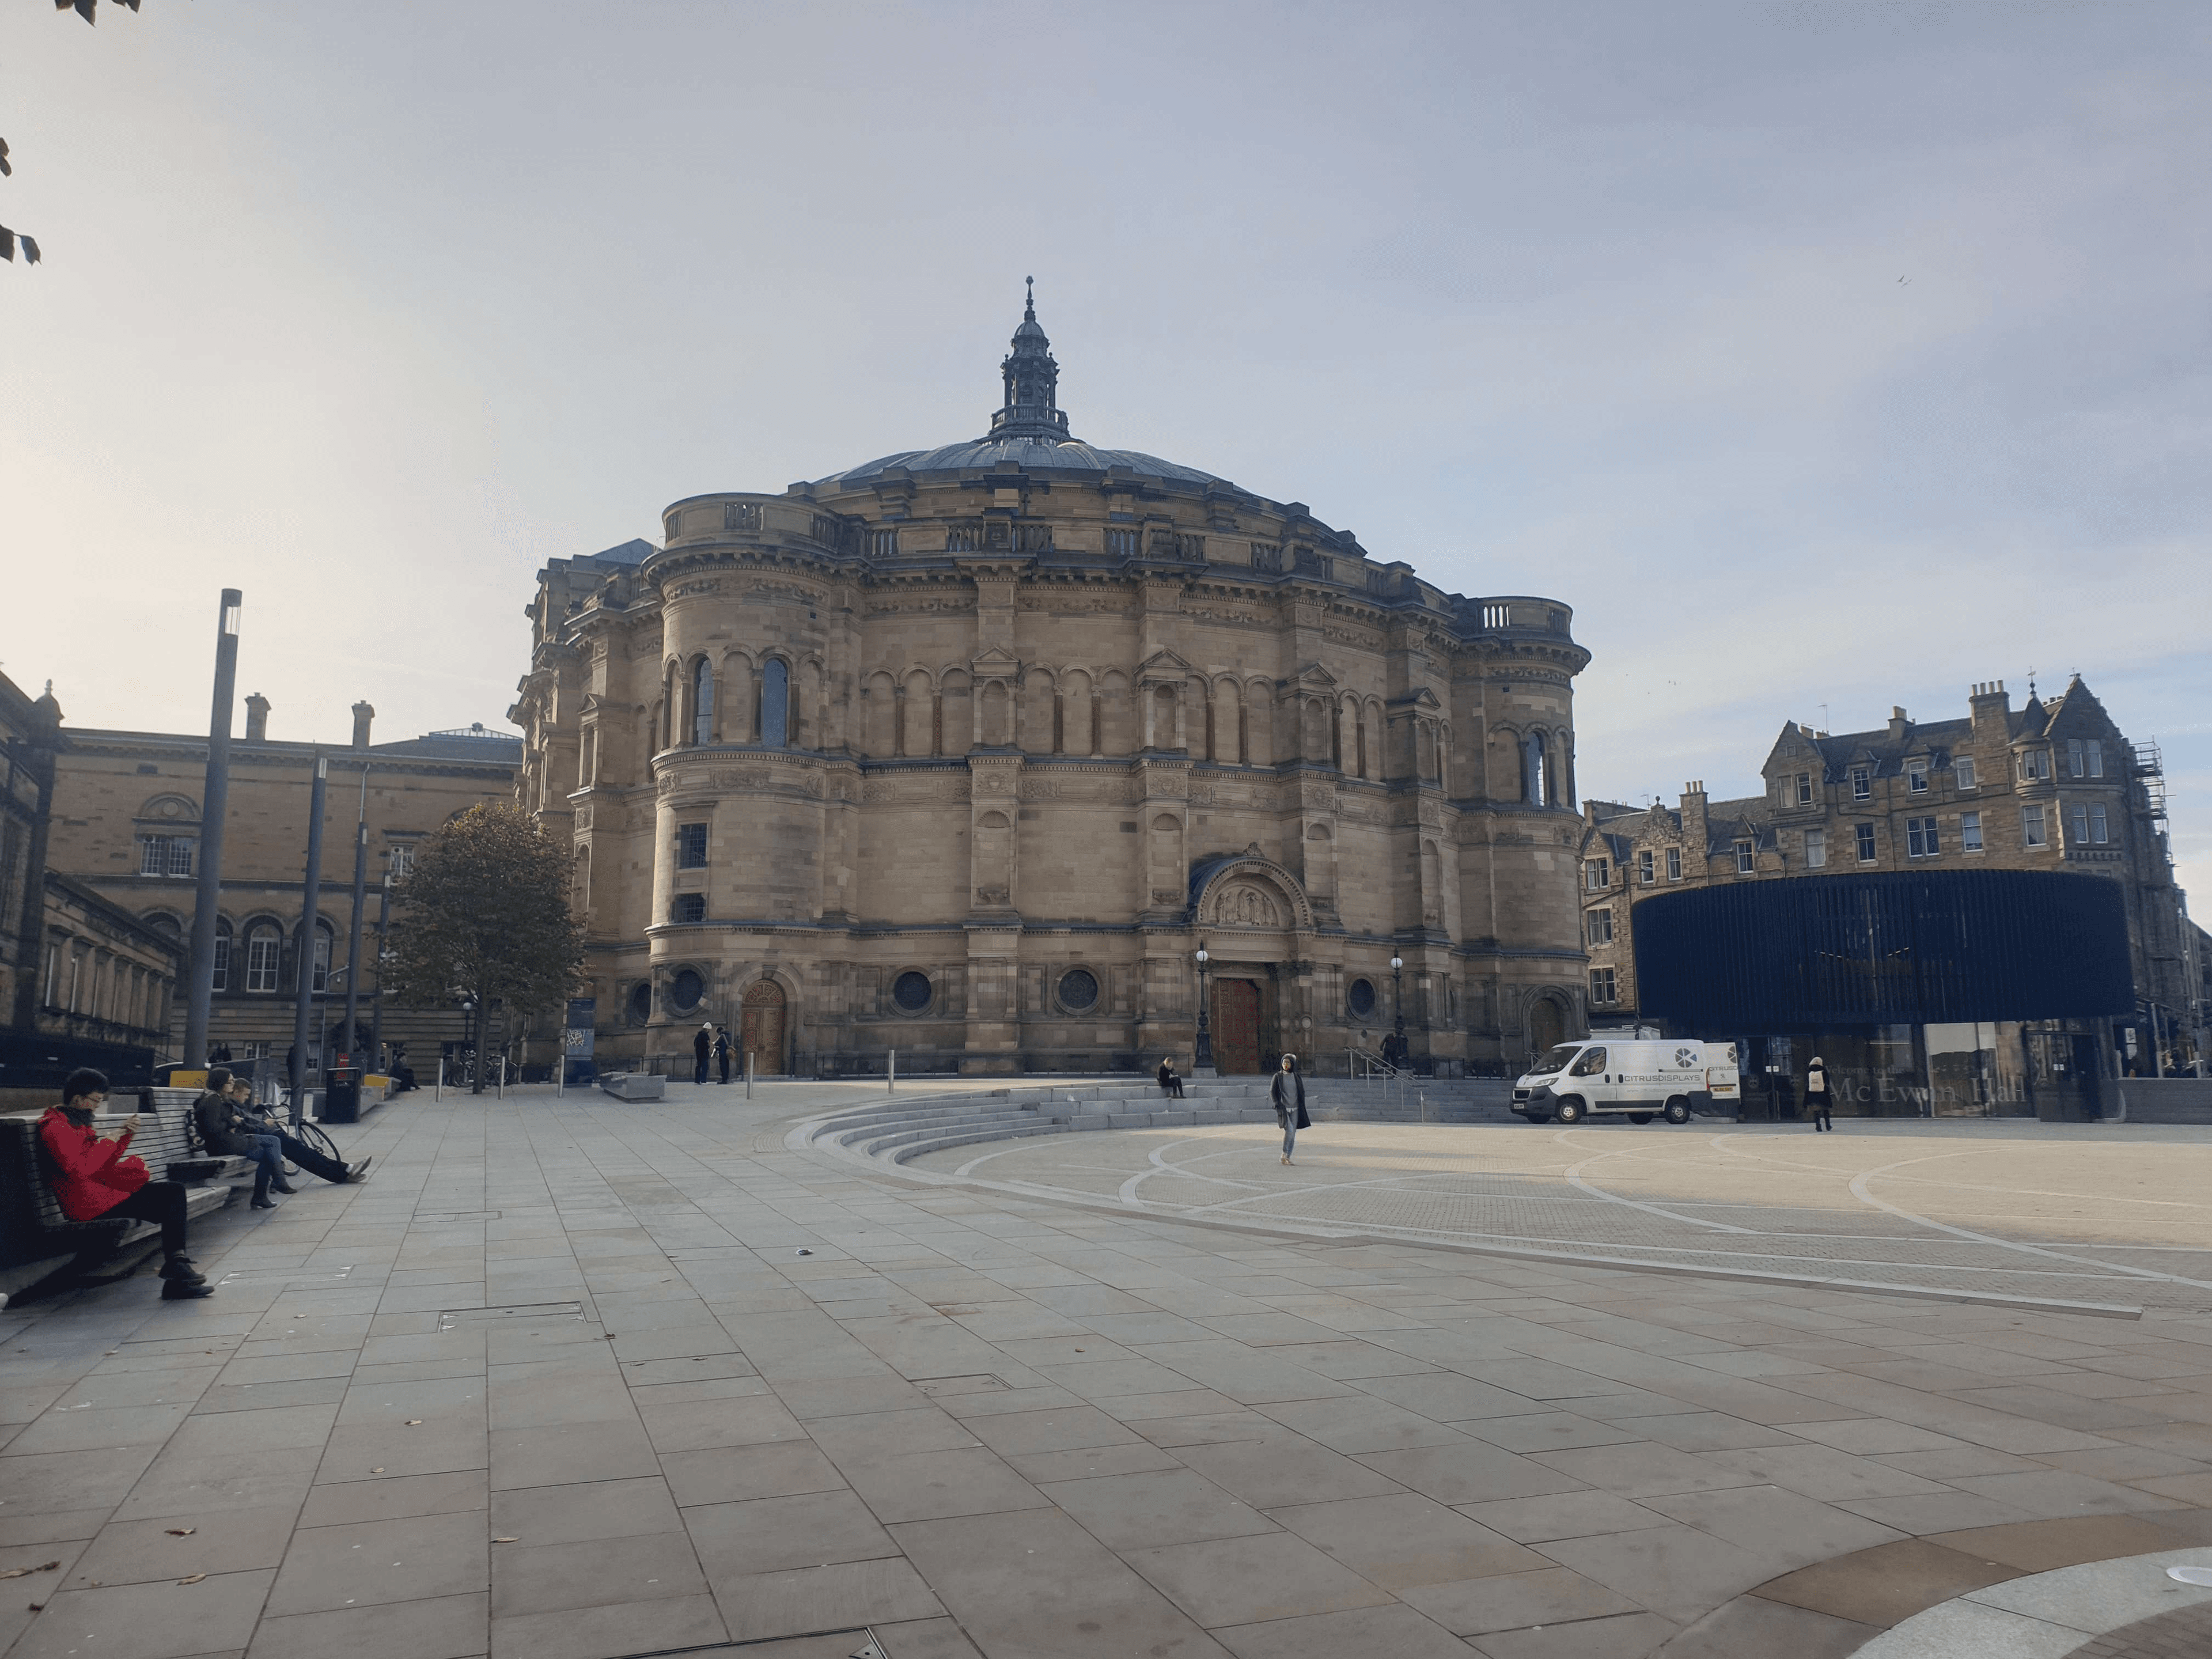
x=126, y=826
x=965, y=752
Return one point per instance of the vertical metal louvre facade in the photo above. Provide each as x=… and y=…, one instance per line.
x=1915, y=947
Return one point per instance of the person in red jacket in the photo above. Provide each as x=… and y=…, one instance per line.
x=93, y=1177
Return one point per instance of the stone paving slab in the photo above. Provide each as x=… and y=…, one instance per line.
x=571, y=1377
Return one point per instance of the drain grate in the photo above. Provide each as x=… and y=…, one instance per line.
x=453, y=1318
x=982, y=1382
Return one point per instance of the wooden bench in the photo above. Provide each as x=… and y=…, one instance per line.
x=38, y=1243
x=169, y=1135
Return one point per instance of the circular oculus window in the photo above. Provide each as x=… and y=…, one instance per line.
x=1360, y=999
x=912, y=991
x=1078, y=990
x=686, y=989
x=640, y=1003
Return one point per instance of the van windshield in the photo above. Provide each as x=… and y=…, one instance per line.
x=1558, y=1057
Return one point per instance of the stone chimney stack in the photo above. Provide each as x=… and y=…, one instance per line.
x=1991, y=704
x=1898, y=724
x=256, y=719
x=362, y=715
x=1694, y=827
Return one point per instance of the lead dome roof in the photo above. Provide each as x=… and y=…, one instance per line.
x=1029, y=429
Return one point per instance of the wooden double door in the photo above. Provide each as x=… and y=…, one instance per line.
x=761, y=1028
x=1236, y=1025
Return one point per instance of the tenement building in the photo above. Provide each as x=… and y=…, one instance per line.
x=126, y=832
x=2050, y=787
x=965, y=753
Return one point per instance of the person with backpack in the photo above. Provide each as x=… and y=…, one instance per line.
x=722, y=1052
x=1288, y=1090
x=1816, y=1096
x=94, y=1177
x=703, y=1049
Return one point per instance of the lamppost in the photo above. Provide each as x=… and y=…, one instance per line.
x=1201, y=1059
x=1397, y=1011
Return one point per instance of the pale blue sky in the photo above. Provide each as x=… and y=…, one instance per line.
x=369, y=310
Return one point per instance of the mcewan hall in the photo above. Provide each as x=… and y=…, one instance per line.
x=966, y=752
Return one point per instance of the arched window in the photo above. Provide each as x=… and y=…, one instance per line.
x=775, y=703
x=1534, y=782
x=322, y=940
x=702, y=703
x=222, y=953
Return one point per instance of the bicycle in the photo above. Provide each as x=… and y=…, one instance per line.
x=308, y=1133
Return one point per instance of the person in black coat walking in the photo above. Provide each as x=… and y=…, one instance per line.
x=1289, y=1091
x=702, y=1047
x=722, y=1053
x=1816, y=1096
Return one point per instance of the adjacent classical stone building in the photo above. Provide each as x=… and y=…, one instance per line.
x=126, y=830
x=2052, y=785
x=83, y=982
x=965, y=752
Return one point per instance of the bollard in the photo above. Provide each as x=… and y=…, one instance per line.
x=560, y=1076
x=441, y=1076
x=502, y=1076
x=748, y=1074
x=891, y=1074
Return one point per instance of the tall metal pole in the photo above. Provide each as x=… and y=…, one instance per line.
x=376, y=1010
x=310, y=903
x=215, y=806
x=353, y=932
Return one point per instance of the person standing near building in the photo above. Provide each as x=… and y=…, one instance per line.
x=722, y=1053
x=1289, y=1091
x=1816, y=1096
x=702, y=1047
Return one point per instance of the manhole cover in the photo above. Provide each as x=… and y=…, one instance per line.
x=452, y=1318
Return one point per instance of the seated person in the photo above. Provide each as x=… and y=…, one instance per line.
x=94, y=1177
x=1171, y=1084
x=230, y=1124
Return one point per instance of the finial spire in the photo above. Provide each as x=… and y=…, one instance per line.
x=1032, y=381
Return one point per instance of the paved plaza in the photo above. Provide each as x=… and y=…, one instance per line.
x=573, y=1379
x=2113, y=1215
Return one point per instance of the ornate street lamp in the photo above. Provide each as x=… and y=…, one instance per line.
x=1201, y=1059
x=468, y=1036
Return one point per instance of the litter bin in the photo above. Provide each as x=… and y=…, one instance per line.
x=342, y=1094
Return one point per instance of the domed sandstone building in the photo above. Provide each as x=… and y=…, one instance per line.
x=966, y=751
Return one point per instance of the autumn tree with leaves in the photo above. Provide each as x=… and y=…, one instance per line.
x=484, y=916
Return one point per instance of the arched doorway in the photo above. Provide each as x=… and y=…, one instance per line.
x=1236, y=1025
x=1547, y=1026
x=761, y=1028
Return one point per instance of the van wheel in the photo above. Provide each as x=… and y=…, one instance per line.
x=1640, y=1117
x=1570, y=1111
x=1677, y=1110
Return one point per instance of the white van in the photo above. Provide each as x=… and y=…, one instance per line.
x=1639, y=1080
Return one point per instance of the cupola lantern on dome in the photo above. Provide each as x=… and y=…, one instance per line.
x=1032, y=381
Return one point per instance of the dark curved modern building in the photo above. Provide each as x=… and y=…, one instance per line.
x=2008, y=871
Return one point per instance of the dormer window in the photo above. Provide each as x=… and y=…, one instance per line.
x=1916, y=776
x=1744, y=864
x=1862, y=783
